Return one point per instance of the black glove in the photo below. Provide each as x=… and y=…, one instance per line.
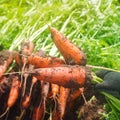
x=111, y=83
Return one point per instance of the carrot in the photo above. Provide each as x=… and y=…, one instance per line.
x=26, y=49
x=74, y=95
x=39, y=111
x=42, y=62
x=55, y=93
x=71, y=53
x=67, y=76
x=13, y=95
x=6, y=58
x=62, y=101
x=25, y=81
x=18, y=59
x=55, y=90
x=26, y=102
x=5, y=85
x=56, y=113
x=34, y=80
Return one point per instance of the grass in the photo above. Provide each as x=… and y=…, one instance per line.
x=92, y=26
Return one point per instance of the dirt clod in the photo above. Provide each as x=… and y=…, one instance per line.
x=92, y=110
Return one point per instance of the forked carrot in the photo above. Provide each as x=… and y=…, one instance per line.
x=67, y=76
x=71, y=53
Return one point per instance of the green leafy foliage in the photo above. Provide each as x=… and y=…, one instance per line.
x=113, y=106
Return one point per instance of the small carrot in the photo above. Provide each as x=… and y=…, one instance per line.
x=42, y=62
x=55, y=90
x=56, y=113
x=26, y=102
x=74, y=95
x=13, y=95
x=34, y=80
x=39, y=111
x=71, y=53
x=62, y=101
x=18, y=59
x=5, y=85
x=55, y=93
x=6, y=58
x=25, y=81
x=67, y=76
x=26, y=49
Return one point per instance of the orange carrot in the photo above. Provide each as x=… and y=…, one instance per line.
x=55, y=90
x=42, y=62
x=39, y=111
x=71, y=53
x=56, y=113
x=13, y=95
x=62, y=101
x=14, y=92
x=77, y=93
x=26, y=49
x=18, y=59
x=26, y=102
x=67, y=76
x=55, y=93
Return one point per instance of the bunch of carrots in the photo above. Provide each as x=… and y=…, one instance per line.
x=40, y=87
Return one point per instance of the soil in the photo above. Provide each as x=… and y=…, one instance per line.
x=92, y=110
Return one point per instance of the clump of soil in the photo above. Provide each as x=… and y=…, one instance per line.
x=92, y=110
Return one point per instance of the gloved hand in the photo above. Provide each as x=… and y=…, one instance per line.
x=110, y=84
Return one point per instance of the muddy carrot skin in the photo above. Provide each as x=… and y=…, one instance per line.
x=71, y=53
x=6, y=58
x=42, y=62
x=67, y=76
